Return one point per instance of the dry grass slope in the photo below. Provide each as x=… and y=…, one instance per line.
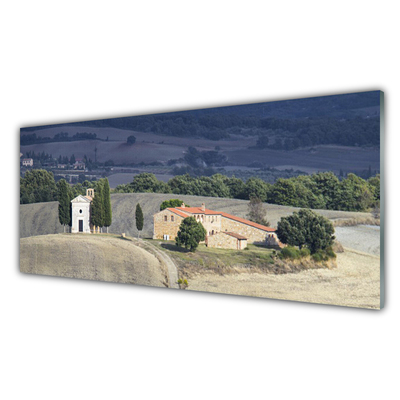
x=95, y=257
x=354, y=283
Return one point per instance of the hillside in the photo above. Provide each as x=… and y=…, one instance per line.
x=42, y=218
x=94, y=257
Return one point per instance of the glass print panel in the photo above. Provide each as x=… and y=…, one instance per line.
x=277, y=200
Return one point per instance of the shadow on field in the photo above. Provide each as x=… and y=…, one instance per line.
x=174, y=247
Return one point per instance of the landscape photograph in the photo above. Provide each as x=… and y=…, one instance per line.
x=275, y=200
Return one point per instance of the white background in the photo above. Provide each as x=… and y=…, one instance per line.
x=77, y=60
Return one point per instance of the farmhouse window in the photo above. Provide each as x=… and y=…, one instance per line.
x=165, y=218
x=172, y=218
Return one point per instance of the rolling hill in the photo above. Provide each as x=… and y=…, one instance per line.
x=94, y=257
x=42, y=218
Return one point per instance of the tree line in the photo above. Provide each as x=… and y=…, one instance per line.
x=320, y=191
x=32, y=138
x=38, y=185
x=295, y=133
x=349, y=131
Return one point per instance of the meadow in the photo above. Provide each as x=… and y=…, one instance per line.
x=240, y=150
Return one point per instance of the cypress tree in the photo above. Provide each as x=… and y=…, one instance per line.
x=64, y=205
x=107, y=204
x=97, y=212
x=139, y=218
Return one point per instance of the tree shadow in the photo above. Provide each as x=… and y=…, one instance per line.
x=174, y=247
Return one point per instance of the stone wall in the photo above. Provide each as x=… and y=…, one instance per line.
x=216, y=223
x=254, y=235
x=223, y=241
x=210, y=222
x=166, y=227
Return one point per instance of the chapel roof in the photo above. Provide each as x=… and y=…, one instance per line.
x=81, y=199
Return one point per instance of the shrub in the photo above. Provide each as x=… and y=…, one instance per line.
x=131, y=140
x=330, y=253
x=317, y=257
x=304, y=252
x=183, y=283
x=290, y=252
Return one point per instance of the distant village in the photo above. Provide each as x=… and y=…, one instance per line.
x=72, y=169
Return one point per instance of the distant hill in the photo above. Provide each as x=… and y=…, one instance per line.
x=94, y=257
x=42, y=218
x=335, y=106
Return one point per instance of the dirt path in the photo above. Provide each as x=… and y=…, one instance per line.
x=166, y=260
x=354, y=283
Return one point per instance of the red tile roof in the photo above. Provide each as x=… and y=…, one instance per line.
x=176, y=211
x=199, y=210
x=247, y=222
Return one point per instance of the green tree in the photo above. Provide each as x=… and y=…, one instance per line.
x=139, y=219
x=97, y=209
x=131, y=140
x=327, y=184
x=171, y=203
x=306, y=228
x=190, y=234
x=148, y=183
x=107, y=203
x=256, y=187
x=236, y=188
x=354, y=194
x=375, y=186
x=64, y=203
x=37, y=186
x=183, y=184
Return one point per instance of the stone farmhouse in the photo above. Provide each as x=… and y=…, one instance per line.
x=224, y=230
x=81, y=213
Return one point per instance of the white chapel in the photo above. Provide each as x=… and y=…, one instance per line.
x=81, y=212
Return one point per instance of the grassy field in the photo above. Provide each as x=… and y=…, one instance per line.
x=150, y=147
x=256, y=259
x=42, y=218
x=320, y=158
x=354, y=283
x=95, y=257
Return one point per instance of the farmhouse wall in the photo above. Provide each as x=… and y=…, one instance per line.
x=254, y=235
x=166, y=227
x=211, y=223
x=223, y=241
x=167, y=222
